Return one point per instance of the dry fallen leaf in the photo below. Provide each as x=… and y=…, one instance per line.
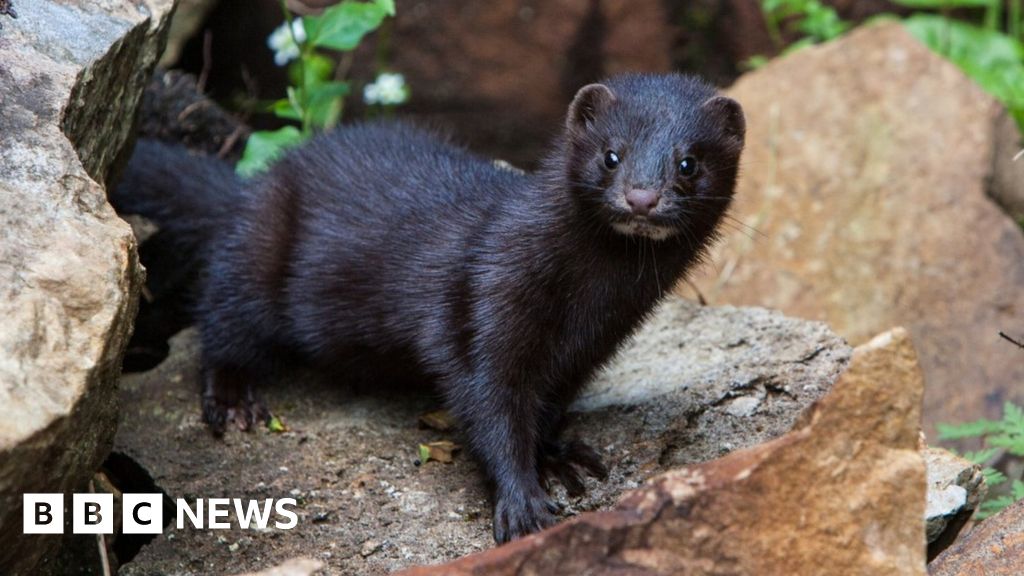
x=438, y=420
x=441, y=451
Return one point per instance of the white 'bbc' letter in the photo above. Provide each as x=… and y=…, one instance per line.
x=92, y=514
x=43, y=514
x=142, y=513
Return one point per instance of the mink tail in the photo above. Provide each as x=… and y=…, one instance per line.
x=190, y=197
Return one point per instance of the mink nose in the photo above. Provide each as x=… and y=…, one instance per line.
x=641, y=201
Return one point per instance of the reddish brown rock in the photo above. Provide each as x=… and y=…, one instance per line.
x=865, y=174
x=844, y=489
x=994, y=547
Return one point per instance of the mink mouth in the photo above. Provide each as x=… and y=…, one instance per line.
x=643, y=227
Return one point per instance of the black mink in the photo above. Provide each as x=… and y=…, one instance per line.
x=382, y=245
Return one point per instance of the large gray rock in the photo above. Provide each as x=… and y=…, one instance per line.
x=70, y=79
x=955, y=488
x=865, y=175
x=695, y=384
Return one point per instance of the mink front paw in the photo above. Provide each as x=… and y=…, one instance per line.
x=567, y=462
x=517, y=515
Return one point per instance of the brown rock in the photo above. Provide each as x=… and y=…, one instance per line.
x=994, y=547
x=844, y=489
x=865, y=173
x=71, y=75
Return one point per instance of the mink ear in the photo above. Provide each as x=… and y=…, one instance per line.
x=589, y=103
x=729, y=113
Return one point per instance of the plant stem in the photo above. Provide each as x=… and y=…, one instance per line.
x=1013, y=21
x=992, y=14
x=306, y=128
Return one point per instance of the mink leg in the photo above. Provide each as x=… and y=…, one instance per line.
x=229, y=395
x=501, y=422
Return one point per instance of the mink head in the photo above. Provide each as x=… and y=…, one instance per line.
x=654, y=156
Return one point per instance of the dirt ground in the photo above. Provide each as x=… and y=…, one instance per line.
x=697, y=383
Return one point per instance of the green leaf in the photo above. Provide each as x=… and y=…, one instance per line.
x=1013, y=415
x=388, y=6
x=1017, y=489
x=992, y=59
x=981, y=456
x=316, y=69
x=342, y=26
x=324, y=103
x=822, y=23
x=962, y=42
x=755, y=62
x=798, y=45
x=275, y=425
x=993, y=477
x=993, y=506
x=940, y=4
x=284, y=108
x=266, y=146
x=1014, y=443
x=974, y=429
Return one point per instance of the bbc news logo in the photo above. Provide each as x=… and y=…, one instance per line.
x=143, y=513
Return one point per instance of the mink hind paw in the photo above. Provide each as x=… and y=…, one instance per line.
x=229, y=399
x=568, y=462
x=245, y=414
x=518, y=516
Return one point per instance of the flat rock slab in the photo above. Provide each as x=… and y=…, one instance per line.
x=695, y=384
x=865, y=174
x=71, y=74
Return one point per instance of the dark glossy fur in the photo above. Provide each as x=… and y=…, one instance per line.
x=382, y=245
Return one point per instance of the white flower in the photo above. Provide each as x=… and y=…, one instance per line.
x=284, y=44
x=388, y=89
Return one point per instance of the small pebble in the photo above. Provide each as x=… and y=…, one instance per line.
x=369, y=547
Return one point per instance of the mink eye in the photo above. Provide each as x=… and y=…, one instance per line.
x=688, y=166
x=611, y=160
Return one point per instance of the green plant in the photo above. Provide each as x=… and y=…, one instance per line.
x=992, y=58
x=1006, y=434
x=316, y=97
x=812, y=20
x=815, y=21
